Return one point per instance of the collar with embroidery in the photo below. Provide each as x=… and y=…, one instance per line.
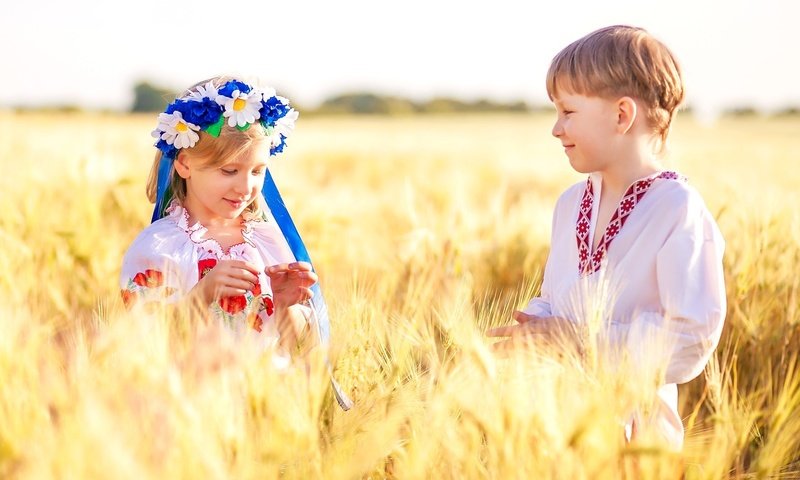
x=588, y=261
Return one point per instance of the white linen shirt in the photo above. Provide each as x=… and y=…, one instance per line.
x=661, y=279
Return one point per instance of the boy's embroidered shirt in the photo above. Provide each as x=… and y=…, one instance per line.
x=661, y=277
x=171, y=255
x=630, y=199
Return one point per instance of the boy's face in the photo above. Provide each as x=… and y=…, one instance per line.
x=586, y=127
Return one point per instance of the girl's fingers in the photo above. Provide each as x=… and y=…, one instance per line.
x=230, y=292
x=300, y=266
x=243, y=265
x=278, y=269
x=240, y=283
x=289, y=268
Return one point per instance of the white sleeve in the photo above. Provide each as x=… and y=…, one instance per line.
x=147, y=276
x=680, y=340
x=540, y=306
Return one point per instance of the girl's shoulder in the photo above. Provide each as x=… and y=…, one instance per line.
x=166, y=237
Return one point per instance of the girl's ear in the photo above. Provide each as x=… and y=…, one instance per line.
x=182, y=165
x=626, y=114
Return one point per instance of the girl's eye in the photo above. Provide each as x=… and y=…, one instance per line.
x=258, y=172
x=566, y=112
x=228, y=172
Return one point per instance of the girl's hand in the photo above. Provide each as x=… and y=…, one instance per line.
x=532, y=329
x=291, y=287
x=291, y=283
x=228, y=278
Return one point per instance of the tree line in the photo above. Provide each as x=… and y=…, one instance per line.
x=151, y=98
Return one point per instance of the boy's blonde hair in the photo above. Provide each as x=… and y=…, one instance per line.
x=210, y=152
x=619, y=61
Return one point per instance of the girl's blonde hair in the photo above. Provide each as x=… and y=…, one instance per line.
x=619, y=61
x=210, y=152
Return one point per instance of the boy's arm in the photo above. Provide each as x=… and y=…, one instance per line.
x=540, y=306
x=691, y=285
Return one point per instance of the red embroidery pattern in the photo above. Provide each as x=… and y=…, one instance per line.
x=238, y=303
x=589, y=262
x=148, y=285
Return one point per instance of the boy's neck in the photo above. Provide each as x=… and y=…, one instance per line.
x=639, y=162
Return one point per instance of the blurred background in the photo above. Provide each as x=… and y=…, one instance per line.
x=357, y=55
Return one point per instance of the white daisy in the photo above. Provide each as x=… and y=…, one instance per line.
x=284, y=126
x=177, y=131
x=267, y=93
x=241, y=108
x=209, y=90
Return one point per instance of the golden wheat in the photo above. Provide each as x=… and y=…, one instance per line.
x=425, y=231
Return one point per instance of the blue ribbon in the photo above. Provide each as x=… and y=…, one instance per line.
x=162, y=187
x=289, y=230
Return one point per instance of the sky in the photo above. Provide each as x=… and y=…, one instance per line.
x=734, y=53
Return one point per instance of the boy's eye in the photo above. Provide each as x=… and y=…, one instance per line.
x=566, y=112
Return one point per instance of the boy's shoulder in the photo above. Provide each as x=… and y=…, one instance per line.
x=677, y=194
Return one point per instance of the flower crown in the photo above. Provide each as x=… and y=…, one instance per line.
x=207, y=107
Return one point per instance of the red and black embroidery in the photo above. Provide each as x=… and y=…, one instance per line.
x=236, y=304
x=589, y=262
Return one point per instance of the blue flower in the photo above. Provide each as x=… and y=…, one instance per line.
x=232, y=86
x=278, y=148
x=167, y=150
x=202, y=113
x=272, y=110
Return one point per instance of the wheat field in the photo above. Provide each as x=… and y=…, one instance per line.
x=425, y=231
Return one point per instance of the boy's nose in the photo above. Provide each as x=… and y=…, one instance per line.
x=557, y=130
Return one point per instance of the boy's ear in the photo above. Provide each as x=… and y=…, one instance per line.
x=182, y=165
x=626, y=114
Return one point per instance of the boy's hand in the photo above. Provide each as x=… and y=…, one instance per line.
x=532, y=329
x=228, y=278
x=291, y=283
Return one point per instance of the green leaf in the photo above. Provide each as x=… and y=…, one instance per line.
x=242, y=129
x=216, y=127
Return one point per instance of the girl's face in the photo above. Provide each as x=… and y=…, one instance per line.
x=586, y=127
x=217, y=194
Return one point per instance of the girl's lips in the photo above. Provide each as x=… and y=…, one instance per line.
x=234, y=204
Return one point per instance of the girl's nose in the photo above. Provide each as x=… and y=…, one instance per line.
x=244, y=185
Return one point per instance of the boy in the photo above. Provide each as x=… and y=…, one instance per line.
x=631, y=229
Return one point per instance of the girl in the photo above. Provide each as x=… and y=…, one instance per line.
x=213, y=239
